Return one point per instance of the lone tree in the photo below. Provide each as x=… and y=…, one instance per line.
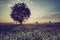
x=20, y=12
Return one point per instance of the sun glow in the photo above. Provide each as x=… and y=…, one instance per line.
x=40, y=11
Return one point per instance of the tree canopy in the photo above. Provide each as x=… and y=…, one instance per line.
x=20, y=12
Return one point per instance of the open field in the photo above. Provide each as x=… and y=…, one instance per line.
x=46, y=31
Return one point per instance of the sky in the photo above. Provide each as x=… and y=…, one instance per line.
x=41, y=10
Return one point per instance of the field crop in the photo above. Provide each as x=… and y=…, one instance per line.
x=30, y=32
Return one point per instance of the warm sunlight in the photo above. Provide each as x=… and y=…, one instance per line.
x=41, y=11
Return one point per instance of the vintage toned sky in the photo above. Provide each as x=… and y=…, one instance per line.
x=41, y=10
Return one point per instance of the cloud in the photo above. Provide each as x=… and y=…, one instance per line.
x=51, y=15
x=4, y=1
x=56, y=9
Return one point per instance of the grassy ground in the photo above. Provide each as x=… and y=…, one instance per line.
x=30, y=31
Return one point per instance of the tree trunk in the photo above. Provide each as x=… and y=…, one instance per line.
x=21, y=23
